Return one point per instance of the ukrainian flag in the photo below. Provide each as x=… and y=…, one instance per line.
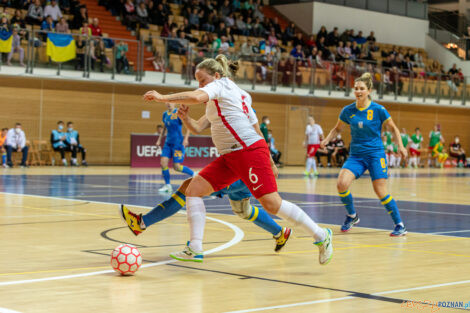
x=6, y=40
x=60, y=47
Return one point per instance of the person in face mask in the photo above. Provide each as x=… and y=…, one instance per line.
x=73, y=143
x=16, y=142
x=456, y=151
x=264, y=128
x=58, y=141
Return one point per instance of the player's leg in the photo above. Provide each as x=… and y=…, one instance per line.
x=138, y=222
x=167, y=153
x=353, y=168
x=4, y=156
x=239, y=196
x=378, y=173
x=215, y=176
x=178, y=158
x=253, y=167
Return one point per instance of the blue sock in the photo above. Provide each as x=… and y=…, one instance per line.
x=165, y=209
x=392, y=208
x=187, y=170
x=347, y=199
x=166, y=175
x=4, y=158
x=261, y=218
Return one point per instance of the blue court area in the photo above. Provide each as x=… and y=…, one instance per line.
x=142, y=190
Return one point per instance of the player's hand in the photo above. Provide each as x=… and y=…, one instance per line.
x=403, y=152
x=152, y=95
x=185, y=142
x=157, y=143
x=323, y=143
x=183, y=112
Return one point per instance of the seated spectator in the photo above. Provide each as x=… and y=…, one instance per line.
x=53, y=11
x=355, y=50
x=158, y=62
x=322, y=33
x=275, y=154
x=85, y=30
x=439, y=153
x=158, y=16
x=176, y=45
x=18, y=21
x=332, y=39
x=80, y=52
x=48, y=24
x=341, y=52
x=210, y=21
x=418, y=59
x=272, y=38
x=371, y=38
x=225, y=9
x=360, y=39
x=62, y=26
x=79, y=17
x=344, y=36
x=194, y=18
x=142, y=15
x=341, y=152
x=73, y=143
x=58, y=141
x=456, y=151
x=35, y=13
x=16, y=142
x=241, y=26
x=339, y=75
x=224, y=45
x=397, y=82
x=246, y=49
x=5, y=24
x=16, y=48
x=121, y=57
x=99, y=54
x=258, y=29
x=96, y=28
x=328, y=152
x=3, y=151
x=130, y=15
x=297, y=52
x=298, y=40
x=320, y=61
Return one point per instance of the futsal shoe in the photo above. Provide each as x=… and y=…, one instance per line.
x=399, y=231
x=349, y=223
x=133, y=221
x=282, y=239
x=188, y=255
x=325, y=247
x=166, y=189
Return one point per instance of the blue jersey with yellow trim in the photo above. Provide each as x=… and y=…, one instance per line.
x=366, y=127
x=173, y=126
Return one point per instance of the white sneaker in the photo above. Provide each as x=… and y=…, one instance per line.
x=166, y=188
x=64, y=162
x=325, y=247
x=188, y=255
x=5, y=165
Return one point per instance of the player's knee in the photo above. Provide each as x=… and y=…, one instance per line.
x=177, y=167
x=241, y=208
x=342, y=185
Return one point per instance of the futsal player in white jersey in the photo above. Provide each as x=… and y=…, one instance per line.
x=313, y=137
x=244, y=155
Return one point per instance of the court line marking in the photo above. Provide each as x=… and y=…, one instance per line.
x=5, y=310
x=349, y=297
x=238, y=236
x=449, y=232
x=146, y=207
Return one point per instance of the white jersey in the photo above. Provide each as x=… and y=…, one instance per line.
x=230, y=115
x=313, y=134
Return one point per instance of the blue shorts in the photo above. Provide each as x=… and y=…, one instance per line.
x=175, y=151
x=377, y=166
x=236, y=191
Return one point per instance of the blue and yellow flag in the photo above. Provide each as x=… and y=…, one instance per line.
x=60, y=47
x=6, y=40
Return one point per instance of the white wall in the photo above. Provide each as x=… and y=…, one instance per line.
x=388, y=28
x=445, y=57
x=300, y=13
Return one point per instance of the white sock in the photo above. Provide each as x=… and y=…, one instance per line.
x=398, y=161
x=419, y=161
x=308, y=165
x=196, y=212
x=295, y=215
x=314, y=164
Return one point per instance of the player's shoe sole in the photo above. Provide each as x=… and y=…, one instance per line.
x=355, y=221
x=325, y=248
x=187, y=255
x=131, y=219
x=282, y=240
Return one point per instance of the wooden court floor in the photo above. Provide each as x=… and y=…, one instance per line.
x=59, y=225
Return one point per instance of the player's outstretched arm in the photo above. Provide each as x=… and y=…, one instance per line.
x=187, y=97
x=401, y=149
x=333, y=133
x=196, y=127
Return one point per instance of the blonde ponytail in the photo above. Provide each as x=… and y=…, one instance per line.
x=366, y=78
x=220, y=65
